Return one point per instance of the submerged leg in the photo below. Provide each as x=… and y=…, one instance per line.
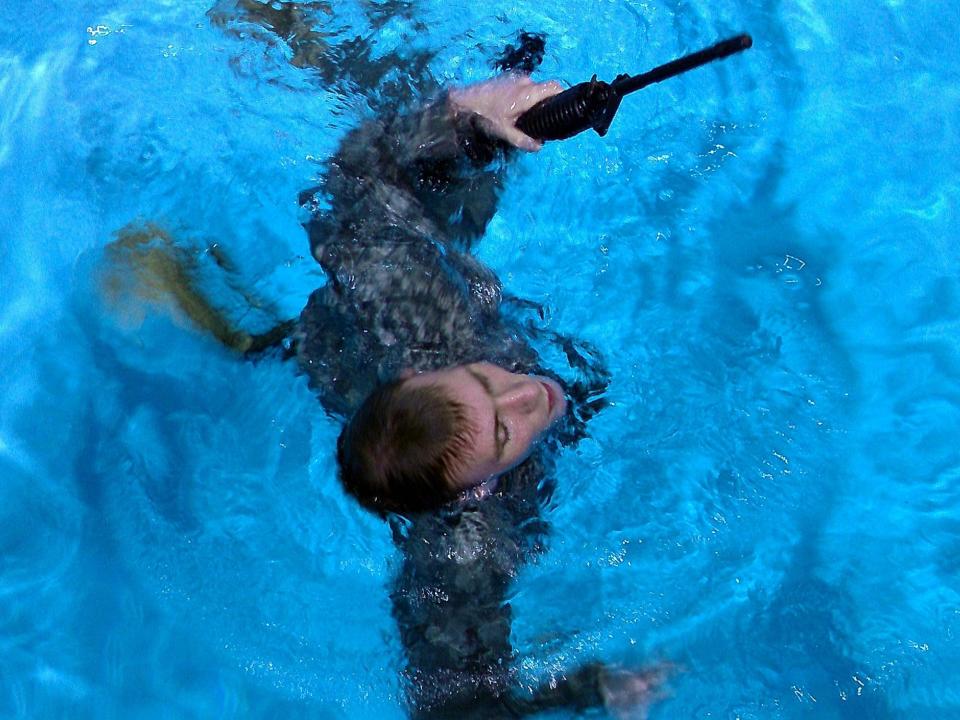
x=276, y=338
x=144, y=262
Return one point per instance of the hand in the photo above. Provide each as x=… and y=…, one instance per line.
x=628, y=694
x=500, y=102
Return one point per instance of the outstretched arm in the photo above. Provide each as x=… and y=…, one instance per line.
x=452, y=608
x=625, y=694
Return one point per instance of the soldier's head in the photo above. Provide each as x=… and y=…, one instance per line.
x=420, y=441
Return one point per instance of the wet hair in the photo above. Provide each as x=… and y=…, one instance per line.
x=402, y=449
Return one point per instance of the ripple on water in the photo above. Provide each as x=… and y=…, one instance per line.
x=764, y=250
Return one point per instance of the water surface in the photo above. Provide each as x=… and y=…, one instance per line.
x=764, y=250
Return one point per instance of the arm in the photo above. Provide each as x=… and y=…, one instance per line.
x=623, y=693
x=429, y=173
x=451, y=605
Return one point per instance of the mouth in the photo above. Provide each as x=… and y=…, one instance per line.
x=551, y=400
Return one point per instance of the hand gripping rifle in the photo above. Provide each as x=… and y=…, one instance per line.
x=593, y=104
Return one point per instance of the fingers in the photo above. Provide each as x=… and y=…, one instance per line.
x=501, y=101
x=534, y=93
x=547, y=89
x=528, y=93
x=519, y=139
x=506, y=130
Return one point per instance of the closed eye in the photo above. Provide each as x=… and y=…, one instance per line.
x=503, y=437
x=501, y=433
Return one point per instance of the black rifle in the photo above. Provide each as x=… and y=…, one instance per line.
x=593, y=104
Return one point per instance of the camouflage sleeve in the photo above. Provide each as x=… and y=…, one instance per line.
x=579, y=690
x=429, y=174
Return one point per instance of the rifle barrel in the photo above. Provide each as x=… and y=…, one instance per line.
x=722, y=49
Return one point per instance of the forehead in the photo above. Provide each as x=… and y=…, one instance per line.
x=458, y=383
x=464, y=385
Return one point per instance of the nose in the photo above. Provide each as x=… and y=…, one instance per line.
x=520, y=395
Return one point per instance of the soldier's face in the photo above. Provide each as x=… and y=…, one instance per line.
x=507, y=412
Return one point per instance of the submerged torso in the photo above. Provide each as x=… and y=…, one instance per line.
x=406, y=202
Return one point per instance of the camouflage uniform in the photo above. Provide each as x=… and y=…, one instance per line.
x=392, y=225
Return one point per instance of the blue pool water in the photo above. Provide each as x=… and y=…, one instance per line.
x=765, y=250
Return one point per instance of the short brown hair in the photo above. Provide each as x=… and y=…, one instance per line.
x=402, y=448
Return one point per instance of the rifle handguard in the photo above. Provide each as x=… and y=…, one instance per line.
x=593, y=104
x=588, y=105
